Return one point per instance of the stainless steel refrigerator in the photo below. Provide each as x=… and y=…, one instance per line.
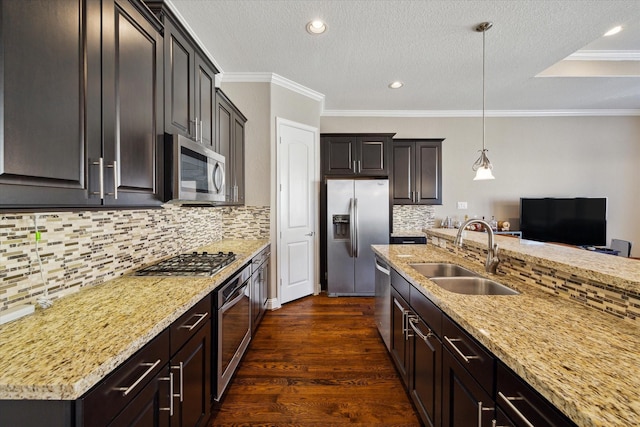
x=357, y=217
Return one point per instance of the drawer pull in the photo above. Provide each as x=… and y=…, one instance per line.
x=508, y=400
x=413, y=322
x=466, y=358
x=192, y=327
x=126, y=390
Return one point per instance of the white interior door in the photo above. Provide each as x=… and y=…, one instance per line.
x=297, y=246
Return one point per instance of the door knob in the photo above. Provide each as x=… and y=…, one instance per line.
x=309, y=234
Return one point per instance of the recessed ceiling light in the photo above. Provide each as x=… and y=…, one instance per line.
x=614, y=30
x=396, y=85
x=316, y=27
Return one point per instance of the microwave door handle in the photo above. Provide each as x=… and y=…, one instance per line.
x=218, y=178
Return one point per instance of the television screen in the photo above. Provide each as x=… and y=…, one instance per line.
x=574, y=221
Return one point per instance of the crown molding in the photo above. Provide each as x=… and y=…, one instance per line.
x=192, y=33
x=478, y=113
x=604, y=55
x=232, y=77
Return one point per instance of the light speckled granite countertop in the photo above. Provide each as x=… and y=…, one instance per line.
x=585, y=362
x=61, y=352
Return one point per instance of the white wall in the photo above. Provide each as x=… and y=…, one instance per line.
x=254, y=100
x=532, y=157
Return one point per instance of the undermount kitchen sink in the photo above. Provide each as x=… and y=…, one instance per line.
x=453, y=278
x=473, y=286
x=440, y=269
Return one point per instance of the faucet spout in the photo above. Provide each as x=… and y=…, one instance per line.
x=491, y=265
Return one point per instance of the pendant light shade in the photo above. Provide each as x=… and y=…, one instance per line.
x=483, y=166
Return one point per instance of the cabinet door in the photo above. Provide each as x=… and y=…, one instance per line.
x=464, y=402
x=371, y=156
x=403, y=175
x=205, y=98
x=339, y=154
x=49, y=114
x=238, y=160
x=428, y=172
x=399, y=341
x=150, y=408
x=224, y=130
x=132, y=91
x=425, y=375
x=191, y=367
x=179, y=82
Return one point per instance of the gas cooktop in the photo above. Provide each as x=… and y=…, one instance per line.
x=193, y=264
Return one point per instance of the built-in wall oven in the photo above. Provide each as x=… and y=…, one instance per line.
x=233, y=305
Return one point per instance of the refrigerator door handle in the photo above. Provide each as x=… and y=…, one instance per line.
x=351, y=228
x=355, y=215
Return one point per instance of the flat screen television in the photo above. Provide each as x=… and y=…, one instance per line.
x=576, y=221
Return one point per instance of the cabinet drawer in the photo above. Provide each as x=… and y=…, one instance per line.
x=108, y=398
x=428, y=311
x=475, y=358
x=523, y=405
x=394, y=240
x=401, y=285
x=188, y=324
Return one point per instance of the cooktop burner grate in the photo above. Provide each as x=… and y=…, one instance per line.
x=193, y=264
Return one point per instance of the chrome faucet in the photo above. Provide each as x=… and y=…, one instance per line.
x=492, y=262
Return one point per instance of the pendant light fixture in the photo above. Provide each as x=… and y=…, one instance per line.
x=483, y=166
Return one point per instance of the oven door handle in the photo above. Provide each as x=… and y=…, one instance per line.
x=228, y=302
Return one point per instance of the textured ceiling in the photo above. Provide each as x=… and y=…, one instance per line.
x=429, y=45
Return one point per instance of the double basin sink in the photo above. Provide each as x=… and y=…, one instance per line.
x=454, y=278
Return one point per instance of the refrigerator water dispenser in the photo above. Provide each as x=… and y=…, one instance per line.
x=340, y=227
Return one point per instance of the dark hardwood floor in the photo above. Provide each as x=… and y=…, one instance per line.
x=318, y=361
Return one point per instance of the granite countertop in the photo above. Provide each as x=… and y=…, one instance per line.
x=620, y=272
x=584, y=361
x=61, y=352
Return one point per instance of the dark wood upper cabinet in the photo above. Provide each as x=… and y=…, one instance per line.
x=132, y=100
x=189, y=81
x=81, y=91
x=205, y=100
x=229, y=141
x=355, y=154
x=50, y=121
x=417, y=171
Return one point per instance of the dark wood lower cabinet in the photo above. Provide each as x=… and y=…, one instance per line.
x=150, y=408
x=399, y=341
x=465, y=403
x=425, y=373
x=191, y=367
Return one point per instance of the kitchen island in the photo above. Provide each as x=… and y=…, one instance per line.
x=61, y=352
x=583, y=360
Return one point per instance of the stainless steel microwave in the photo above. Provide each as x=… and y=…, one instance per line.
x=194, y=174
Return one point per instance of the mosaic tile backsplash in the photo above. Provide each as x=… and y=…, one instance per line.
x=85, y=248
x=413, y=217
x=621, y=303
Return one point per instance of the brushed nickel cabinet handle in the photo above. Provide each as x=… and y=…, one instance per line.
x=100, y=164
x=466, y=358
x=413, y=322
x=126, y=390
x=201, y=317
x=180, y=369
x=480, y=409
x=170, y=379
x=507, y=400
x=114, y=166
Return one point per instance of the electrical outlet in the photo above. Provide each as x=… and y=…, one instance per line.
x=462, y=205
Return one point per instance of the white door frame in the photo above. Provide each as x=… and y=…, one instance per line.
x=316, y=195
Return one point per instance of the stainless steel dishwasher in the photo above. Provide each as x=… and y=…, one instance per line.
x=383, y=301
